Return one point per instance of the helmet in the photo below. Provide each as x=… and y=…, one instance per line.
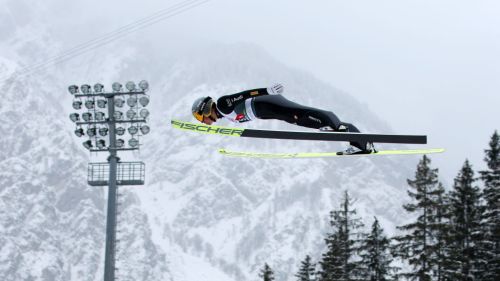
x=202, y=107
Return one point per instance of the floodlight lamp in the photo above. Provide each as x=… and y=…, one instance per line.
x=144, y=101
x=117, y=87
x=132, y=101
x=85, y=89
x=91, y=132
x=133, y=130
x=120, y=131
x=144, y=85
x=74, y=117
x=102, y=103
x=145, y=130
x=79, y=132
x=99, y=116
x=119, y=102
x=73, y=89
x=130, y=86
x=118, y=115
x=87, y=116
x=144, y=113
x=98, y=88
x=120, y=142
x=101, y=144
x=133, y=142
x=87, y=144
x=89, y=104
x=103, y=131
x=131, y=114
x=77, y=104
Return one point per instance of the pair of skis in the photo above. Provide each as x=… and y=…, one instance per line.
x=318, y=136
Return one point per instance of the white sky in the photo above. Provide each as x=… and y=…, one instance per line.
x=426, y=67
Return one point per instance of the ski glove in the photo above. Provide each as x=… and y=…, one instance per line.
x=275, y=89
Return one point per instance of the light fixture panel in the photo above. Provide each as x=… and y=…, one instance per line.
x=119, y=102
x=120, y=142
x=118, y=115
x=77, y=104
x=133, y=142
x=99, y=116
x=130, y=86
x=144, y=101
x=87, y=144
x=101, y=103
x=101, y=144
x=85, y=89
x=144, y=113
x=103, y=131
x=89, y=104
x=120, y=131
x=74, y=117
x=87, y=116
x=117, y=87
x=132, y=101
x=91, y=132
x=144, y=85
x=131, y=114
x=73, y=89
x=79, y=132
x=133, y=130
x=98, y=88
x=145, y=130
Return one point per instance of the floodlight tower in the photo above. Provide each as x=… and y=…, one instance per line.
x=102, y=130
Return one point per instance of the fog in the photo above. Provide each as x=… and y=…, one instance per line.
x=425, y=67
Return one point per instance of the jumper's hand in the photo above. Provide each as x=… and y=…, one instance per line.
x=276, y=89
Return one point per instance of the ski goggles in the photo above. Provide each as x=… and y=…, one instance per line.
x=198, y=116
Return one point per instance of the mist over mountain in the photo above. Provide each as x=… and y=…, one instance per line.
x=200, y=216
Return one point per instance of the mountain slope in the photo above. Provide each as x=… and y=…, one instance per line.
x=201, y=216
x=238, y=214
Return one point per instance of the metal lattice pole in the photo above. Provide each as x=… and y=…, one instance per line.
x=109, y=262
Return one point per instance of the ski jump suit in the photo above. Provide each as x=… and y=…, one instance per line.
x=259, y=104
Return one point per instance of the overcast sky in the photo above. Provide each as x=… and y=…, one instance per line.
x=426, y=67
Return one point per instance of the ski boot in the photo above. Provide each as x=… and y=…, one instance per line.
x=351, y=150
x=342, y=128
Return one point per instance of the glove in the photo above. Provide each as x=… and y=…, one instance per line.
x=275, y=89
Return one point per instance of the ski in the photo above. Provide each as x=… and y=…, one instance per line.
x=325, y=154
x=299, y=135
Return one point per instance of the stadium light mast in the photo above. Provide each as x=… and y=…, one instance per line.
x=102, y=130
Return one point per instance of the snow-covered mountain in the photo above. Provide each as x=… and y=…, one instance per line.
x=200, y=216
x=237, y=214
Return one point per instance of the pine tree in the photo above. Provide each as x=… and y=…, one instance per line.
x=439, y=230
x=491, y=216
x=266, y=273
x=306, y=271
x=376, y=258
x=419, y=246
x=338, y=261
x=464, y=237
x=331, y=262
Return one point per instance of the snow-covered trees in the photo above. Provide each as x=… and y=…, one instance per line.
x=491, y=216
x=418, y=245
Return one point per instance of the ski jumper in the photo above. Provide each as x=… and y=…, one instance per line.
x=259, y=104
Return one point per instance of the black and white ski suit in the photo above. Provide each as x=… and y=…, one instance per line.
x=259, y=104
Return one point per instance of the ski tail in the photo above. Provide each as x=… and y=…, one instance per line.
x=326, y=154
x=299, y=135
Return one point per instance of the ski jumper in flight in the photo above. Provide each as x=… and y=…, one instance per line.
x=268, y=103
